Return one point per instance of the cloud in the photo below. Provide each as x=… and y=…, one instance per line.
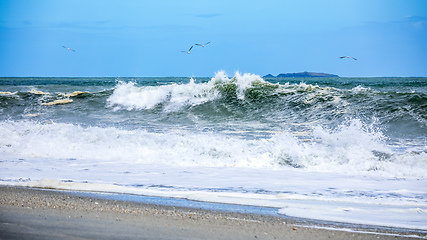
x=27, y=23
x=415, y=18
x=418, y=23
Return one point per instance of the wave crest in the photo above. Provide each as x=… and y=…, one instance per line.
x=128, y=96
x=131, y=97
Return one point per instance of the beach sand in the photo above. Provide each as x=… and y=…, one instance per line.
x=27, y=213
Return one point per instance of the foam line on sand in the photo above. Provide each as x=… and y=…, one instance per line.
x=27, y=213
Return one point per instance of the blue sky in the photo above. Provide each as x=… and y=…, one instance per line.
x=138, y=38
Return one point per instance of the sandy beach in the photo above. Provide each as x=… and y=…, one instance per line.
x=27, y=213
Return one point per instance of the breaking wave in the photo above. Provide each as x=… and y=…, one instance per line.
x=353, y=149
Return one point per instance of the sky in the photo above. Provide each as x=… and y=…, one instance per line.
x=141, y=38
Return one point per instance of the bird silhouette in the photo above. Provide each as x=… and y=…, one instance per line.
x=188, y=52
x=202, y=45
x=68, y=48
x=348, y=57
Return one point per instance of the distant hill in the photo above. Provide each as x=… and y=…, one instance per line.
x=301, y=74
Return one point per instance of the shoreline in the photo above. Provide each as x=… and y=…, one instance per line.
x=47, y=214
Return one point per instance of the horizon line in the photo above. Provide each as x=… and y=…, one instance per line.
x=202, y=76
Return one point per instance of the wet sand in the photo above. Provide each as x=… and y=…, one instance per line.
x=27, y=213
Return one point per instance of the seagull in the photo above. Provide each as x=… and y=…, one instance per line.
x=202, y=45
x=347, y=57
x=68, y=48
x=188, y=52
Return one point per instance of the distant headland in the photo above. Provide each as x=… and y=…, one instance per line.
x=301, y=74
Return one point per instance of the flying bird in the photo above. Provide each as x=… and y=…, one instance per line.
x=202, y=45
x=348, y=57
x=188, y=52
x=68, y=48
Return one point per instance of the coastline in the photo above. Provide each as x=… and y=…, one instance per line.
x=48, y=214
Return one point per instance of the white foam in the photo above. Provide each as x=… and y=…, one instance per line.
x=243, y=82
x=132, y=97
x=351, y=149
x=369, y=214
x=347, y=174
x=175, y=96
x=58, y=101
x=360, y=89
x=34, y=91
x=307, y=195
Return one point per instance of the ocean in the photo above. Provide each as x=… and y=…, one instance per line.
x=350, y=150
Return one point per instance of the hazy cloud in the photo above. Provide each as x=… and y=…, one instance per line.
x=417, y=22
x=27, y=23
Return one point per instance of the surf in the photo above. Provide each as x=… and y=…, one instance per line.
x=304, y=146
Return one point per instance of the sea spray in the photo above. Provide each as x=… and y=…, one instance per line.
x=309, y=146
x=350, y=150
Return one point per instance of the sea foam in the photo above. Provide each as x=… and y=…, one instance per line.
x=174, y=96
x=324, y=150
x=129, y=96
x=350, y=150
